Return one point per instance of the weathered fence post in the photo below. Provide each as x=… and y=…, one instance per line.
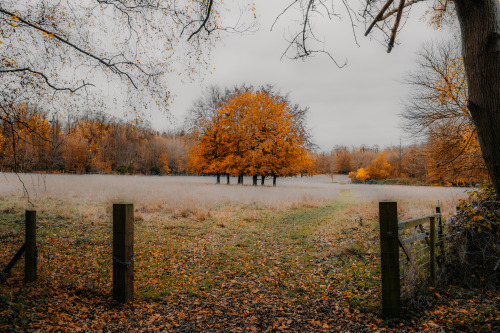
x=123, y=252
x=440, y=238
x=389, y=249
x=432, y=254
x=30, y=260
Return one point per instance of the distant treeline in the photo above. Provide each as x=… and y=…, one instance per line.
x=30, y=141
x=427, y=163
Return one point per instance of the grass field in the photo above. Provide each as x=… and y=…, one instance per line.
x=303, y=256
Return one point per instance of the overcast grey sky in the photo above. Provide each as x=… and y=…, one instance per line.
x=356, y=105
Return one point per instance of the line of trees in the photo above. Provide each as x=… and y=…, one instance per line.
x=33, y=141
x=401, y=164
x=240, y=137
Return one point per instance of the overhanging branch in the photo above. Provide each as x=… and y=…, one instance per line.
x=112, y=66
x=46, y=79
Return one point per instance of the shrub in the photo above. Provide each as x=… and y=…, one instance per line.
x=122, y=169
x=473, y=258
x=154, y=170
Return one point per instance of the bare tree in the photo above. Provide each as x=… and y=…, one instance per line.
x=437, y=109
x=439, y=90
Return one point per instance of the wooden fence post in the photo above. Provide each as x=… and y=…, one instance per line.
x=30, y=260
x=440, y=236
x=432, y=254
x=123, y=252
x=389, y=249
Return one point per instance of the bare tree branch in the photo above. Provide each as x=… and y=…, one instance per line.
x=46, y=79
x=395, y=10
x=203, y=25
x=112, y=66
x=379, y=16
x=396, y=25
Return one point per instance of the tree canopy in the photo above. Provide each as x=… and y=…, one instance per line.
x=253, y=132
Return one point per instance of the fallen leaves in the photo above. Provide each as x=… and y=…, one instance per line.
x=195, y=276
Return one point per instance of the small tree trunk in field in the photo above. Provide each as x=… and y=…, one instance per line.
x=240, y=179
x=218, y=178
x=480, y=26
x=254, y=180
x=262, y=180
x=274, y=180
x=228, y=179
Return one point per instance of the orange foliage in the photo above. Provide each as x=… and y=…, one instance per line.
x=379, y=169
x=252, y=134
x=24, y=138
x=164, y=164
x=441, y=14
x=30, y=142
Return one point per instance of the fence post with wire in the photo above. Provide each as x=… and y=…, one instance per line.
x=123, y=252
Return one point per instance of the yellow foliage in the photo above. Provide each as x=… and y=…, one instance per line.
x=379, y=168
x=362, y=175
x=164, y=164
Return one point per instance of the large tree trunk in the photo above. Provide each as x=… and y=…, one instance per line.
x=480, y=26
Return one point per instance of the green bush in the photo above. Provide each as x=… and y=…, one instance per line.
x=122, y=169
x=154, y=170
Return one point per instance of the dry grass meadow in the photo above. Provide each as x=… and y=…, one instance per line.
x=302, y=256
x=180, y=193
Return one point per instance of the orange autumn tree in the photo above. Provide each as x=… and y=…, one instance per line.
x=379, y=169
x=24, y=138
x=253, y=133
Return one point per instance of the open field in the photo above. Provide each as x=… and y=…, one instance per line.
x=179, y=192
x=303, y=257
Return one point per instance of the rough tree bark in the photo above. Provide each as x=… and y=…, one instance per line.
x=480, y=27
